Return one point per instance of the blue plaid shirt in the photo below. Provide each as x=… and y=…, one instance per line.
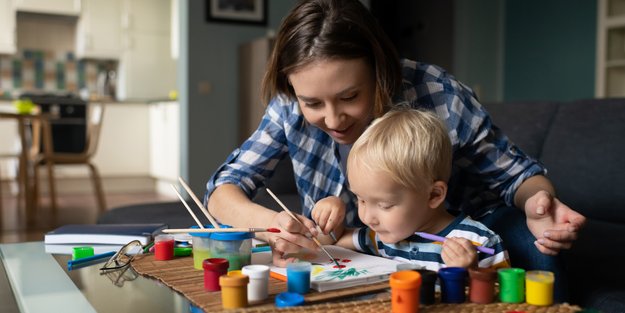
x=487, y=167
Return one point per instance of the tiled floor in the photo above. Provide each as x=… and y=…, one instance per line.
x=72, y=209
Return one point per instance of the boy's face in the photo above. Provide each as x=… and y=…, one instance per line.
x=391, y=210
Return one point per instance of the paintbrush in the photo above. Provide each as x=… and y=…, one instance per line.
x=432, y=237
x=297, y=219
x=221, y=230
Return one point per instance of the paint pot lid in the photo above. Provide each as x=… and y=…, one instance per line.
x=405, y=280
x=486, y=274
x=256, y=271
x=216, y=264
x=511, y=273
x=234, y=280
x=452, y=273
x=286, y=299
x=222, y=236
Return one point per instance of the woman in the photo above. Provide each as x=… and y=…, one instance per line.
x=333, y=71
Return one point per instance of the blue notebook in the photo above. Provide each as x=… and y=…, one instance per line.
x=112, y=234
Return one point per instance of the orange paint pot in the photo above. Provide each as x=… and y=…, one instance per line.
x=405, y=286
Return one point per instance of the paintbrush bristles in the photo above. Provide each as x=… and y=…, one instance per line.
x=297, y=219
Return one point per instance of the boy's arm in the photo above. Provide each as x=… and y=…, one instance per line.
x=346, y=240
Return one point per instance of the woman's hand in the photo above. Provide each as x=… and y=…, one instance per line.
x=291, y=239
x=329, y=214
x=552, y=222
x=459, y=252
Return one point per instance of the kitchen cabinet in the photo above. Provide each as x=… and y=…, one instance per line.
x=99, y=30
x=64, y=7
x=7, y=27
x=253, y=58
x=165, y=145
x=610, y=70
x=146, y=68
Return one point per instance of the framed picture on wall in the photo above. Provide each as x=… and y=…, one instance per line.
x=237, y=11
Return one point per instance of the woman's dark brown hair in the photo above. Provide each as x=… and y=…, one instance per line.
x=332, y=29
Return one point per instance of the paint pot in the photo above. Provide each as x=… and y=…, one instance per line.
x=298, y=277
x=428, y=286
x=236, y=247
x=482, y=285
x=405, y=287
x=233, y=291
x=453, y=282
x=287, y=299
x=163, y=247
x=82, y=252
x=511, y=285
x=213, y=269
x=539, y=287
x=258, y=288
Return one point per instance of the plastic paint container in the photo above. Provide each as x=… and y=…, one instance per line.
x=287, y=299
x=235, y=247
x=298, y=277
x=539, y=287
x=453, y=282
x=405, y=287
x=428, y=283
x=482, y=285
x=233, y=291
x=81, y=252
x=213, y=269
x=258, y=288
x=163, y=247
x=408, y=267
x=511, y=285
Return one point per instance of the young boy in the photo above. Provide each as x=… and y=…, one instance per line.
x=398, y=170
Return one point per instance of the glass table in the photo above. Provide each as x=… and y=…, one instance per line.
x=32, y=280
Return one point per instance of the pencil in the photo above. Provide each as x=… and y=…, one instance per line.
x=220, y=230
x=441, y=239
x=88, y=261
x=297, y=219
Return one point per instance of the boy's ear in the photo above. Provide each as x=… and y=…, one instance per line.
x=437, y=194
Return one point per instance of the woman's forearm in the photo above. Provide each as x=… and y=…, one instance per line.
x=530, y=187
x=231, y=206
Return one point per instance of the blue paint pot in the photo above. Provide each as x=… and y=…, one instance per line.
x=298, y=277
x=453, y=282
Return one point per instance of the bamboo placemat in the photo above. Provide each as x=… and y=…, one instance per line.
x=180, y=275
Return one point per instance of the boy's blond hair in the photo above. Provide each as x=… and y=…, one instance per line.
x=412, y=146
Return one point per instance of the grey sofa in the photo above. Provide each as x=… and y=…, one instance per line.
x=582, y=145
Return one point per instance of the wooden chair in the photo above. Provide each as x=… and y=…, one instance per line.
x=50, y=158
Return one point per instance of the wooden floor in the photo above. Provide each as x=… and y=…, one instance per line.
x=72, y=209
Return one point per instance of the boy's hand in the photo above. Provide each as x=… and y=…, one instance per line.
x=329, y=214
x=459, y=252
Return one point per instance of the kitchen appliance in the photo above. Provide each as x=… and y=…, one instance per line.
x=68, y=122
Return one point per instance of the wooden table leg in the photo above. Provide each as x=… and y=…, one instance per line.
x=23, y=173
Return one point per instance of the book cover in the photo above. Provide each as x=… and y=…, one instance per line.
x=69, y=248
x=356, y=268
x=115, y=234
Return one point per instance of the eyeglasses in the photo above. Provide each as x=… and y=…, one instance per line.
x=123, y=257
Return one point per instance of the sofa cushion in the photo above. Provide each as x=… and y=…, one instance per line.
x=526, y=124
x=584, y=152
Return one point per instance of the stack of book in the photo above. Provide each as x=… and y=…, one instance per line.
x=102, y=237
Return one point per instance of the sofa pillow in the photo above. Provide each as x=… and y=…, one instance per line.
x=584, y=153
x=524, y=123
